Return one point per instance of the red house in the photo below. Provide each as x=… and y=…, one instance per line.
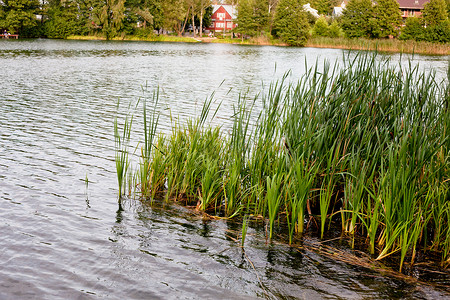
x=223, y=18
x=411, y=8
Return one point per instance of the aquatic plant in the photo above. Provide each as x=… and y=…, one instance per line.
x=122, y=141
x=365, y=144
x=244, y=229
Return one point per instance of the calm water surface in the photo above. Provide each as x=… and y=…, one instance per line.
x=64, y=239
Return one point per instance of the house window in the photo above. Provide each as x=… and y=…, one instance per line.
x=221, y=16
x=219, y=25
x=230, y=25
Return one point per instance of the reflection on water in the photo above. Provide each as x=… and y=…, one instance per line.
x=64, y=234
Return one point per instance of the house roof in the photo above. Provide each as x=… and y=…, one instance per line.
x=412, y=4
x=231, y=9
x=337, y=11
x=307, y=7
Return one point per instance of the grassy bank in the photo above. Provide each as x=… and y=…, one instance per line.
x=381, y=45
x=366, y=147
x=385, y=45
x=155, y=38
x=170, y=38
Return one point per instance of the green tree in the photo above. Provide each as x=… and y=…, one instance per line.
x=334, y=30
x=2, y=15
x=86, y=16
x=253, y=17
x=19, y=15
x=205, y=14
x=434, y=12
x=245, y=22
x=358, y=19
x=324, y=7
x=261, y=15
x=175, y=15
x=291, y=23
x=320, y=28
x=435, y=20
x=62, y=19
x=388, y=17
x=438, y=33
x=413, y=29
x=198, y=11
x=138, y=11
x=108, y=15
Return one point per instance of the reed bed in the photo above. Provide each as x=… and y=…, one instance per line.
x=363, y=146
x=386, y=45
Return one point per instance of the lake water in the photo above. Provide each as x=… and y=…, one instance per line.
x=64, y=239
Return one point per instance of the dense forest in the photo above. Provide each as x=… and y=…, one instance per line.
x=286, y=20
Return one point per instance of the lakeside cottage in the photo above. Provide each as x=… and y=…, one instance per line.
x=338, y=10
x=411, y=8
x=223, y=18
x=307, y=7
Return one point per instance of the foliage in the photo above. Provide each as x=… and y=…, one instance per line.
x=175, y=15
x=358, y=19
x=434, y=12
x=283, y=19
x=433, y=26
x=62, y=19
x=438, y=33
x=291, y=23
x=110, y=18
x=324, y=7
x=253, y=17
x=321, y=27
x=436, y=21
x=334, y=30
x=109, y=15
x=18, y=14
x=388, y=17
x=246, y=23
x=413, y=30
x=261, y=14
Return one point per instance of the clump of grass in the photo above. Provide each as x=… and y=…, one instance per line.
x=366, y=144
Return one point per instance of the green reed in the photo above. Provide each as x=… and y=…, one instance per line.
x=301, y=177
x=274, y=197
x=363, y=143
x=244, y=229
x=145, y=166
x=121, y=142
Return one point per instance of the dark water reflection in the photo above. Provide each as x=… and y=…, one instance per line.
x=62, y=238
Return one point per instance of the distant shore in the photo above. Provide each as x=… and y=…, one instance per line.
x=382, y=45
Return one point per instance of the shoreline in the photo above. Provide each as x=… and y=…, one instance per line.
x=381, y=45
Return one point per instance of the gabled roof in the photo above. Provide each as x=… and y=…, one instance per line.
x=337, y=11
x=412, y=4
x=231, y=9
x=307, y=7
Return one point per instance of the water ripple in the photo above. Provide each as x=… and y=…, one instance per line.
x=64, y=237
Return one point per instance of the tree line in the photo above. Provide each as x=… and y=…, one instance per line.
x=286, y=20
x=110, y=18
